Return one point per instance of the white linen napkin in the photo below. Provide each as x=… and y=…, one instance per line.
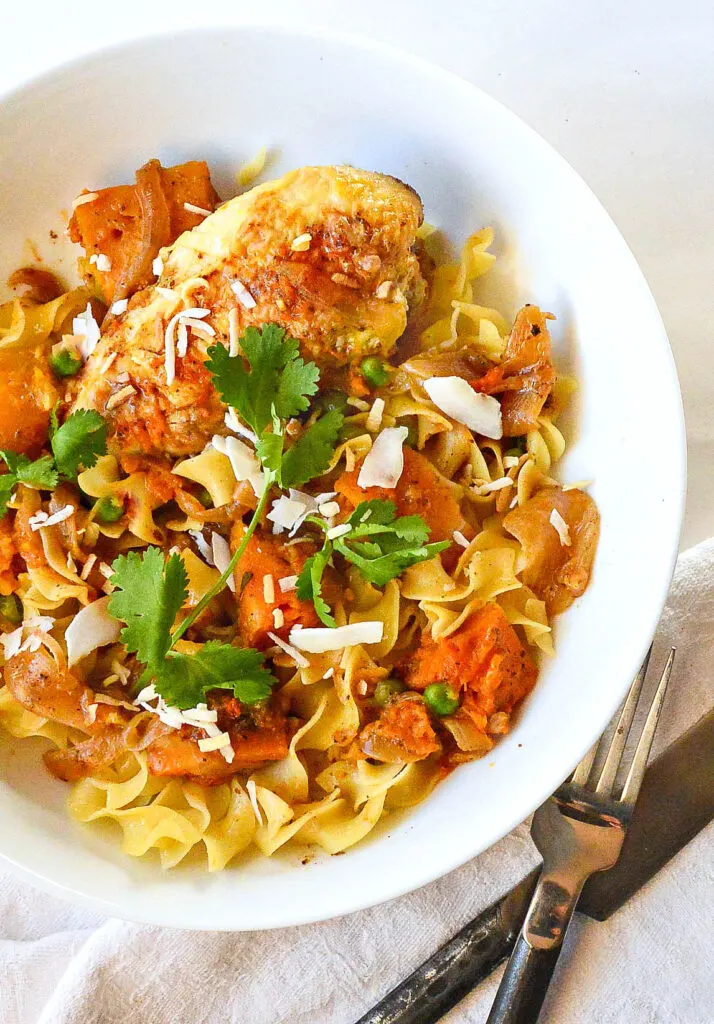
x=651, y=963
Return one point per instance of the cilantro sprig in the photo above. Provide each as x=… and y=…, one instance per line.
x=76, y=445
x=381, y=545
x=149, y=594
x=274, y=386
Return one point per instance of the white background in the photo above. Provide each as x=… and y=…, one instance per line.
x=624, y=89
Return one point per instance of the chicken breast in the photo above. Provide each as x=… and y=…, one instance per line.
x=325, y=252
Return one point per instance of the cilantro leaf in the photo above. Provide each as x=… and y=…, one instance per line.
x=309, y=583
x=184, y=679
x=7, y=486
x=40, y=473
x=149, y=593
x=379, y=544
x=312, y=452
x=276, y=379
x=79, y=442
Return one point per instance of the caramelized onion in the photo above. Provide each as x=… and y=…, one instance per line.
x=526, y=376
x=556, y=572
x=156, y=230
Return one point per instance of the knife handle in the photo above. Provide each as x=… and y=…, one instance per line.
x=446, y=977
x=523, y=986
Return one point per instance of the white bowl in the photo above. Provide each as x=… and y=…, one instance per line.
x=219, y=95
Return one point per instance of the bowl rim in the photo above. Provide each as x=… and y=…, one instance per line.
x=351, y=901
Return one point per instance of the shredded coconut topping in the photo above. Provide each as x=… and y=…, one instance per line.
x=253, y=797
x=104, y=264
x=374, y=419
x=158, y=266
x=493, y=485
x=278, y=618
x=221, y=557
x=301, y=243
x=291, y=651
x=86, y=197
x=202, y=545
x=197, y=209
x=233, y=423
x=120, y=396
x=243, y=295
x=287, y=583
x=119, y=307
x=339, y=531
x=233, y=338
x=41, y=519
x=86, y=328
x=268, y=589
x=460, y=539
x=557, y=521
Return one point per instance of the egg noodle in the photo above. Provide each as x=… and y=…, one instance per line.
x=333, y=780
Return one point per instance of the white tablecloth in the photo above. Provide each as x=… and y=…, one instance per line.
x=624, y=89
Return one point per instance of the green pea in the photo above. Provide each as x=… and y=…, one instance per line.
x=204, y=497
x=518, y=447
x=375, y=372
x=386, y=689
x=441, y=699
x=11, y=609
x=108, y=510
x=65, y=363
x=330, y=400
x=350, y=430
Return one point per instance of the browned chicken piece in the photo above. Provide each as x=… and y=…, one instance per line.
x=402, y=733
x=325, y=252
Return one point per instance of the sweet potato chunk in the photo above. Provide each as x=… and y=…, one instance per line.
x=265, y=556
x=130, y=223
x=420, y=491
x=402, y=733
x=28, y=395
x=484, y=657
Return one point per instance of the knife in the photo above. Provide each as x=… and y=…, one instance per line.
x=678, y=790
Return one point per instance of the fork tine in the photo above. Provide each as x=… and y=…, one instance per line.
x=582, y=772
x=644, y=744
x=619, y=738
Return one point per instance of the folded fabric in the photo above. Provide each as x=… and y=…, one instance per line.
x=651, y=963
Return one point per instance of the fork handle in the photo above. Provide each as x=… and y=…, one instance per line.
x=530, y=968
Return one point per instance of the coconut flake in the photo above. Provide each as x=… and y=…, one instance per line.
x=460, y=539
x=197, y=209
x=557, y=521
x=455, y=397
x=119, y=307
x=92, y=627
x=339, y=531
x=329, y=509
x=358, y=403
x=233, y=423
x=86, y=197
x=40, y=520
x=292, y=652
x=157, y=266
x=244, y=462
x=278, y=618
x=493, y=485
x=287, y=583
x=203, y=546
x=301, y=243
x=214, y=742
x=268, y=588
x=319, y=640
x=243, y=295
x=120, y=396
x=86, y=328
x=221, y=557
x=233, y=338
x=104, y=264
x=384, y=463
x=374, y=418
x=253, y=797
x=286, y=513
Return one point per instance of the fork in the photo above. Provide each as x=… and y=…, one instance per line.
x=578, y=830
